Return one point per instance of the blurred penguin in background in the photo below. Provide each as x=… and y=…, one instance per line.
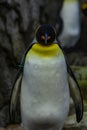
x=70, y=15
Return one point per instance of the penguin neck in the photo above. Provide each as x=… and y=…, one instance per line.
x=46, y=51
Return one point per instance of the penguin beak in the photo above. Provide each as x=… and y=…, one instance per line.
x=46, y=38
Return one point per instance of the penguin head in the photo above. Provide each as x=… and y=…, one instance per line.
x=45, y=34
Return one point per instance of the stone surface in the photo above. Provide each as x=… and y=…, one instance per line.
x=71, y=123
x=1, y=128
x=14, y=127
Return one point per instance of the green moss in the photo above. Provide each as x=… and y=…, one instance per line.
x=85, y=103
x=83, y=86
x=80, y=72
x=81, y=75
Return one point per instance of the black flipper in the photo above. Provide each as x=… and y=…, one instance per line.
x=75, y=93
x=77, y=98
x=74, y=89
x=17, y=86
x=14, y=96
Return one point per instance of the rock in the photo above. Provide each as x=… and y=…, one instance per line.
x=16, y=38
x=1, y=128
x=77, y=58
x=2, y=100
x=71, y=123
x=14, y=127
x=4, y=116
x=81, y=75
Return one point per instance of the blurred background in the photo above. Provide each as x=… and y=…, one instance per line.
x=18, y=21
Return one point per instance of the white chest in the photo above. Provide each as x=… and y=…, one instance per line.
x=44, y=91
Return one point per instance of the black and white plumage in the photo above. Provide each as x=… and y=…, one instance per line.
x=44, y=84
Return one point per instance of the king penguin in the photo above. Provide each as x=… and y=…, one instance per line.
x=45, y=81
x=71, y=22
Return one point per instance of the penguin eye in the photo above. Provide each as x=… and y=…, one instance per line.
x=42, y=37
x=49, y=37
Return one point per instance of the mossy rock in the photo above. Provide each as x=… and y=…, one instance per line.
x=81, y=75
x=71, y=123
x=80, y=72
x=85, y=105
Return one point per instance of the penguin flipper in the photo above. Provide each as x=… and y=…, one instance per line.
x=14, y=96
x=17, y=85
x=77, y=98
x=75, y=92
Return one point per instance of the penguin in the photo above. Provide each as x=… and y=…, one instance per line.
x=84, y=8
x=71, y=23
x=44, y=82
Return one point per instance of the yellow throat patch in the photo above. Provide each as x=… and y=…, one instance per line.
x=44, y=51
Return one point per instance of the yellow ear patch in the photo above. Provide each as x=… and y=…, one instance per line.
x=84, y=6
x=44, y=51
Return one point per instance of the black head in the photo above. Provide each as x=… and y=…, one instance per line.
x=45, y=34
